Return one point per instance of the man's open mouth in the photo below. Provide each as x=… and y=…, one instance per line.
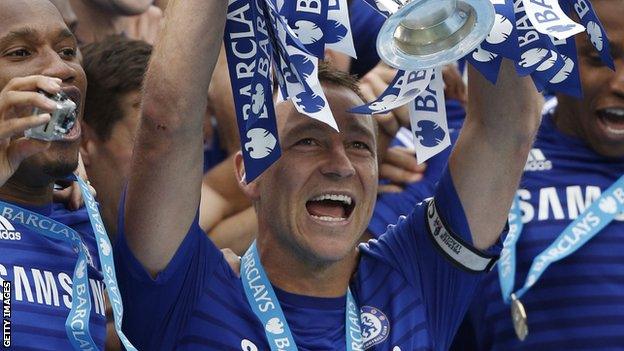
x=331, y=207
x=613, y=119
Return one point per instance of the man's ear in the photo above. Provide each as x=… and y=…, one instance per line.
x=249, y=189
x=87, y=144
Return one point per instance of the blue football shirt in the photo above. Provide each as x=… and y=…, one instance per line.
x=578, y=304
x=410, y=295
x=40, y=271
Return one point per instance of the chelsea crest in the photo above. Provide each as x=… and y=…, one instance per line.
x=375, y=326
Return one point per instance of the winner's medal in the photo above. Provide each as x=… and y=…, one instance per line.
x=519, y=318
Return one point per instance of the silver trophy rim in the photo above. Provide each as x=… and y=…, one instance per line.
x=394, y=57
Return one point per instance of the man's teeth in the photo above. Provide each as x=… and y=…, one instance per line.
x=615, y=111
x=329, y=219
x=333, y=197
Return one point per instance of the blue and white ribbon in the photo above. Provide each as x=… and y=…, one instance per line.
x=428, y=119
x=548, y=18
x=595, y=30
x=405, y=87
x=339, y=28
x=107, y=261
x=308, y=19
x=507, y=261
x=544, y=42
x=247, y=46
x=589, y=223
x=265, y=305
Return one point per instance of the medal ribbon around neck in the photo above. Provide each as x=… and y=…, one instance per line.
x=77, y=322
x=589, y=223
x=268, y=310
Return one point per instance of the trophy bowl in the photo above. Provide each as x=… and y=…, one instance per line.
x=424, y=34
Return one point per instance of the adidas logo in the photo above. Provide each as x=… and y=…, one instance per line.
x=7, y=230
x=537, y=161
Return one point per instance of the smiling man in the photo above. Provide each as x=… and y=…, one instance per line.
x=578, y=154
x=304, y=283
x=38, y=52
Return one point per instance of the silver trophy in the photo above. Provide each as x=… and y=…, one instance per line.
x=423, y=34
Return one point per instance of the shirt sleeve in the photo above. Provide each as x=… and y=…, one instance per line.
x=155, y=310
x=410, y=248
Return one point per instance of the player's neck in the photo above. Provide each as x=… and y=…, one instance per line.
x=25, y=194
x=563, y=121
x=289, y=272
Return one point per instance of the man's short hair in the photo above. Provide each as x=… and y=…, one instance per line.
x=328, y=74
x=114, y=66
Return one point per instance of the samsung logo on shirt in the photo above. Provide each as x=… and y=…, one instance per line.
x=7, y=231
x=553, y=203
x=49, y=288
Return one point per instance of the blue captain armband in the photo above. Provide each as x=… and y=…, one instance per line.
x=453, y=247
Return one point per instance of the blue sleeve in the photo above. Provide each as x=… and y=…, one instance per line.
x=408, y=247
x=155, y=310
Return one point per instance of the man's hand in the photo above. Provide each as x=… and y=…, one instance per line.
x=71, y=195
x=400, y=167
x=373, y=84
x=397, y=164
x=454, y=87
x=17, y=100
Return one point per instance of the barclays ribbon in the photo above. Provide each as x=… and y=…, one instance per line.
x=269, y=312
x=308, y=19
x=502, y=37
x=428, y=119
x=107, y=261
x=299, y=71
x=548, y=18
x=589, y=223
x=507, y=261
x=405, y=87
x=542, y=33
x=339, y=36
x=568, y=79
x=595, y=30
x=252, y=93
x=77, y=322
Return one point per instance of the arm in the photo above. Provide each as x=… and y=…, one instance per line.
x=492, y=149
x=236, y=232
x=166, y=171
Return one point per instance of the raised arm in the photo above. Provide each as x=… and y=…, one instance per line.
x=491, y=151
x=166, y=174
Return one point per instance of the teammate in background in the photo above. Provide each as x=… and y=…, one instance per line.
x=115, y=68
x=313, y=206
x=66, y=10
x=97, y=19
x=577, y=303
x=38, y=52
